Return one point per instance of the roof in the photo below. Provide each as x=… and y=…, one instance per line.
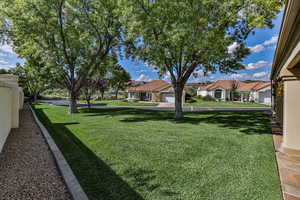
x=286, y=39
x=152, y=86
x=240, y=85
x=225, y=84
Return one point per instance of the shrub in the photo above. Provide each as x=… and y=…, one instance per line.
x=208, y=98
x=199, y=97
x=191, y=100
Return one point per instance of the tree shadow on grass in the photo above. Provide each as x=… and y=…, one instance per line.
x=97, y=178
x=249, y=122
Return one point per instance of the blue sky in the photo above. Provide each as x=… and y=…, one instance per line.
x=258, y=63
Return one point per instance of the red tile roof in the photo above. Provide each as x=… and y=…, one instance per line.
x=152, y=86
x=240, y=85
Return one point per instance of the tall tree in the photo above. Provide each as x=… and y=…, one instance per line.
x=182, y=36
x=119, y=79
x=73, y=36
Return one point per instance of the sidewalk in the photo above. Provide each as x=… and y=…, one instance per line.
x=27, y=168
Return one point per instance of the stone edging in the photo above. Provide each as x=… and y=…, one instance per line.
x=71, y=181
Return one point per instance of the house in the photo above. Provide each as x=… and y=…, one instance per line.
x=285, y=78
x=224, y=90
x=155, y=91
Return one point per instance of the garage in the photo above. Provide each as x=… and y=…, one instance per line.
x=264, y=97
x=168, y=97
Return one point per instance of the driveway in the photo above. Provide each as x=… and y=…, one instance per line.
x=159, y=108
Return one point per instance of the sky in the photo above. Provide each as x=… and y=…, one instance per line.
x=257, y=65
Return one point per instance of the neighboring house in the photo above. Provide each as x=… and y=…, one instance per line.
x=286, y=78
x=223, y=90
x=155, y=91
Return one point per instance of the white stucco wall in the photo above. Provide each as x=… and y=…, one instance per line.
x=5, y=114
x=202, y=93
x=11, y=100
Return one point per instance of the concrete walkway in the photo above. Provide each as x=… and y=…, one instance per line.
x=288, y=166
x=159, y=108
x=27, y=168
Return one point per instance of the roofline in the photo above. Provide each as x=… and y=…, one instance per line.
x=284, y=34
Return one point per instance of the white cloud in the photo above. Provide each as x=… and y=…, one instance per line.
x=257, y=65
x=239, y=76
x=198, y=73
x=257, y=48
x=233, y=47
x=144, y=77
x=6, y=66
x=261, y=47
x=7, y=49
x=261, y=75
x=273, y=40
x=167, y=76
x=3, y=62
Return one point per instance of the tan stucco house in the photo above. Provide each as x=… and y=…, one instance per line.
x=256, y=91
x=286, y=78
x=154, y=91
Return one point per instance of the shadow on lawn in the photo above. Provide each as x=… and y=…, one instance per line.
x=98, y=179
x=249, y=122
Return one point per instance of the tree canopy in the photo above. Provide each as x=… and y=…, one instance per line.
x=72, y=36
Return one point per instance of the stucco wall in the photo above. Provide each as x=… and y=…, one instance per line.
x=5, y=114
x=11, y=101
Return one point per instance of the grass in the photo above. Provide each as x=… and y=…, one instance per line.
x=131, y=154
x=119, y=103
x=201, y=103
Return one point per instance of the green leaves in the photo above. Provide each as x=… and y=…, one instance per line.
x=179, y=35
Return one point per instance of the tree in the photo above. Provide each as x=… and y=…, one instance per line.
x=119, y=79
x=3, y=71
x=89, y=89
x=182, y=36
x=233, y=93
x=72, y=36
x=34, y=77
x=103, y=86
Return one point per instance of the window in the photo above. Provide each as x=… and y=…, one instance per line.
x=218, y=94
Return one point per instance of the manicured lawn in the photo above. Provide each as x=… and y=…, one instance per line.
x=128, y=154
x=201, y=103
x=119, y=103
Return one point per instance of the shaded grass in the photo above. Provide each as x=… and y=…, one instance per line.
x=128, y=154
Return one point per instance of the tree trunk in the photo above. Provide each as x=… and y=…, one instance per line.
x=73, y=104
x=178, y=102
x=102, y=95
x=117, y=91
x=35, y=97
x=88, y=100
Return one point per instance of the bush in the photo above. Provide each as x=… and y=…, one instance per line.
x=191, y=100
x=208, y=98
x=199, y=97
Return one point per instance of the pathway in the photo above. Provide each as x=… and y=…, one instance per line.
x=288, y=166
x=27, y=167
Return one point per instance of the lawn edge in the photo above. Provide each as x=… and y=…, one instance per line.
x=68, y=176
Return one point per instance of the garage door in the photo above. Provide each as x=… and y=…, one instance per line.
x=168, y=98
x=265, y=97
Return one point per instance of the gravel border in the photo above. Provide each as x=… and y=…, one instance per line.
x=71, y=181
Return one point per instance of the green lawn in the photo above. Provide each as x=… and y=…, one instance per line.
x=201, y=103
x=119, y=103
x=130, y=154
